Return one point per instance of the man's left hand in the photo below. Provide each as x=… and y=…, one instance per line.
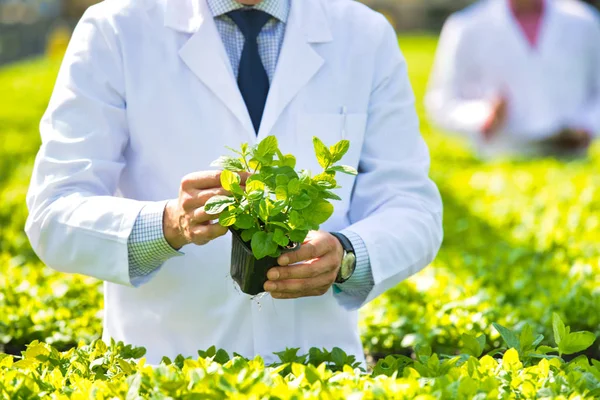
x=315, y=268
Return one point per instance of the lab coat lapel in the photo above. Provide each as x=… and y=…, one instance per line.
x=298, y=61
x=205, y=55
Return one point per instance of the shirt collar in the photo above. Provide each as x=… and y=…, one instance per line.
x=279, y=9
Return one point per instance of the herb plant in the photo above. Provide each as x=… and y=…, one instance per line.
x=278, y=205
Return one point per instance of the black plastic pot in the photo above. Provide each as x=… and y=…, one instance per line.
x=248, y=272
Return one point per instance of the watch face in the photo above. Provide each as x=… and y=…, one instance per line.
x=348, y=265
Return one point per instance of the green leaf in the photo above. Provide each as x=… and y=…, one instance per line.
x=262, y=244
x=291, y=356
x=281, y=225
x=509, y=336
x=481, y=340
x=323, y=155
x=546, y=349
x=558, y=328
x=254, y=185
x=296, y=221
x=345, y=169
x=228, y=163
x=318, y=212
x=256, y=195
x=237, y=189
x=298, y=236
x=326, y=194
x=471, y=345
x=278, y=206
x=244, y=221
x=312, y=192
x=221, y=356
x=264, y=209
x=216, y=204
x=294, y=187
x=325, y=181
x=339, y=150
x=282, y=180
x=267, y=147
x=301, y=202
x=228, y=178
x=280, y=238
x=288, y=161
x=576, y=341
x=338, y=356
x=227, y=218
x=248, y=233
x=305, y=176
x=281, y=193
x=423, y=350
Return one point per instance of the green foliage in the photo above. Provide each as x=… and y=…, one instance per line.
x=279, y=205
x=521, y=242
x=36, y=303
x=99, y=370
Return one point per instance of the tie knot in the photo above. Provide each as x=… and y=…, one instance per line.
x=250, y=21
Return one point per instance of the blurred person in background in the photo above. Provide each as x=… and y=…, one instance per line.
x=520, y=77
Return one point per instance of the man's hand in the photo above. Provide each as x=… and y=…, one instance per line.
x=185, y=220
x=497, y=118
x=572, y=139
x=319, y=259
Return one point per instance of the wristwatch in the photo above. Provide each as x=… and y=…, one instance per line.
x=348, y=260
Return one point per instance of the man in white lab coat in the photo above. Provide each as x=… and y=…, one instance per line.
x=151, y=91
x=520, y=77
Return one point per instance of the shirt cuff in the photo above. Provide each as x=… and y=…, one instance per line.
x=361, y=282
x=146, y=246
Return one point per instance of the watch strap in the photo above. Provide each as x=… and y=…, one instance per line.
x=346, y=243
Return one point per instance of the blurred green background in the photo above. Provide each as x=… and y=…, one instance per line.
x=521, y=238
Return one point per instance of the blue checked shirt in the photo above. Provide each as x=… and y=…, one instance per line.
x=147, y=246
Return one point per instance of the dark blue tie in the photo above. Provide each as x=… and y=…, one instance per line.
x=253, y=80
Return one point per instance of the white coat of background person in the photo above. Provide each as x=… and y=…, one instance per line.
x=147, y=96
x=512, y=97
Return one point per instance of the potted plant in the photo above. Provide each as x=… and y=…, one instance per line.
x=278, y=206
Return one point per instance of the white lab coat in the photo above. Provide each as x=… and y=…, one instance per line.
x=147, y=95
x=483, y=53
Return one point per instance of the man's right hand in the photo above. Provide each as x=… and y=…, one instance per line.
x=497, y=118
x=571, y=139
x=184, y=219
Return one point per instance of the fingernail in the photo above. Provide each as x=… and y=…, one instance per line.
x=270, y=286
x=284, y=260
x=273, y=275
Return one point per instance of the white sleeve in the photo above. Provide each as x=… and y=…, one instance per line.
x=395, y=208
x=454, y=99
x=588, y=117
x=75, y=223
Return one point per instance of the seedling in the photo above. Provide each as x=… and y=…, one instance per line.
x=278, y=205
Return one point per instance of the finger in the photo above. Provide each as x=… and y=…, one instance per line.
x=309, y=250
x=309, y=269
x=197, y=198
x=204, y=195
x=200, y=217
x=201, y=180
x=300, y=285
x=310, y=293
x=243, y=177
x=202, y=234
